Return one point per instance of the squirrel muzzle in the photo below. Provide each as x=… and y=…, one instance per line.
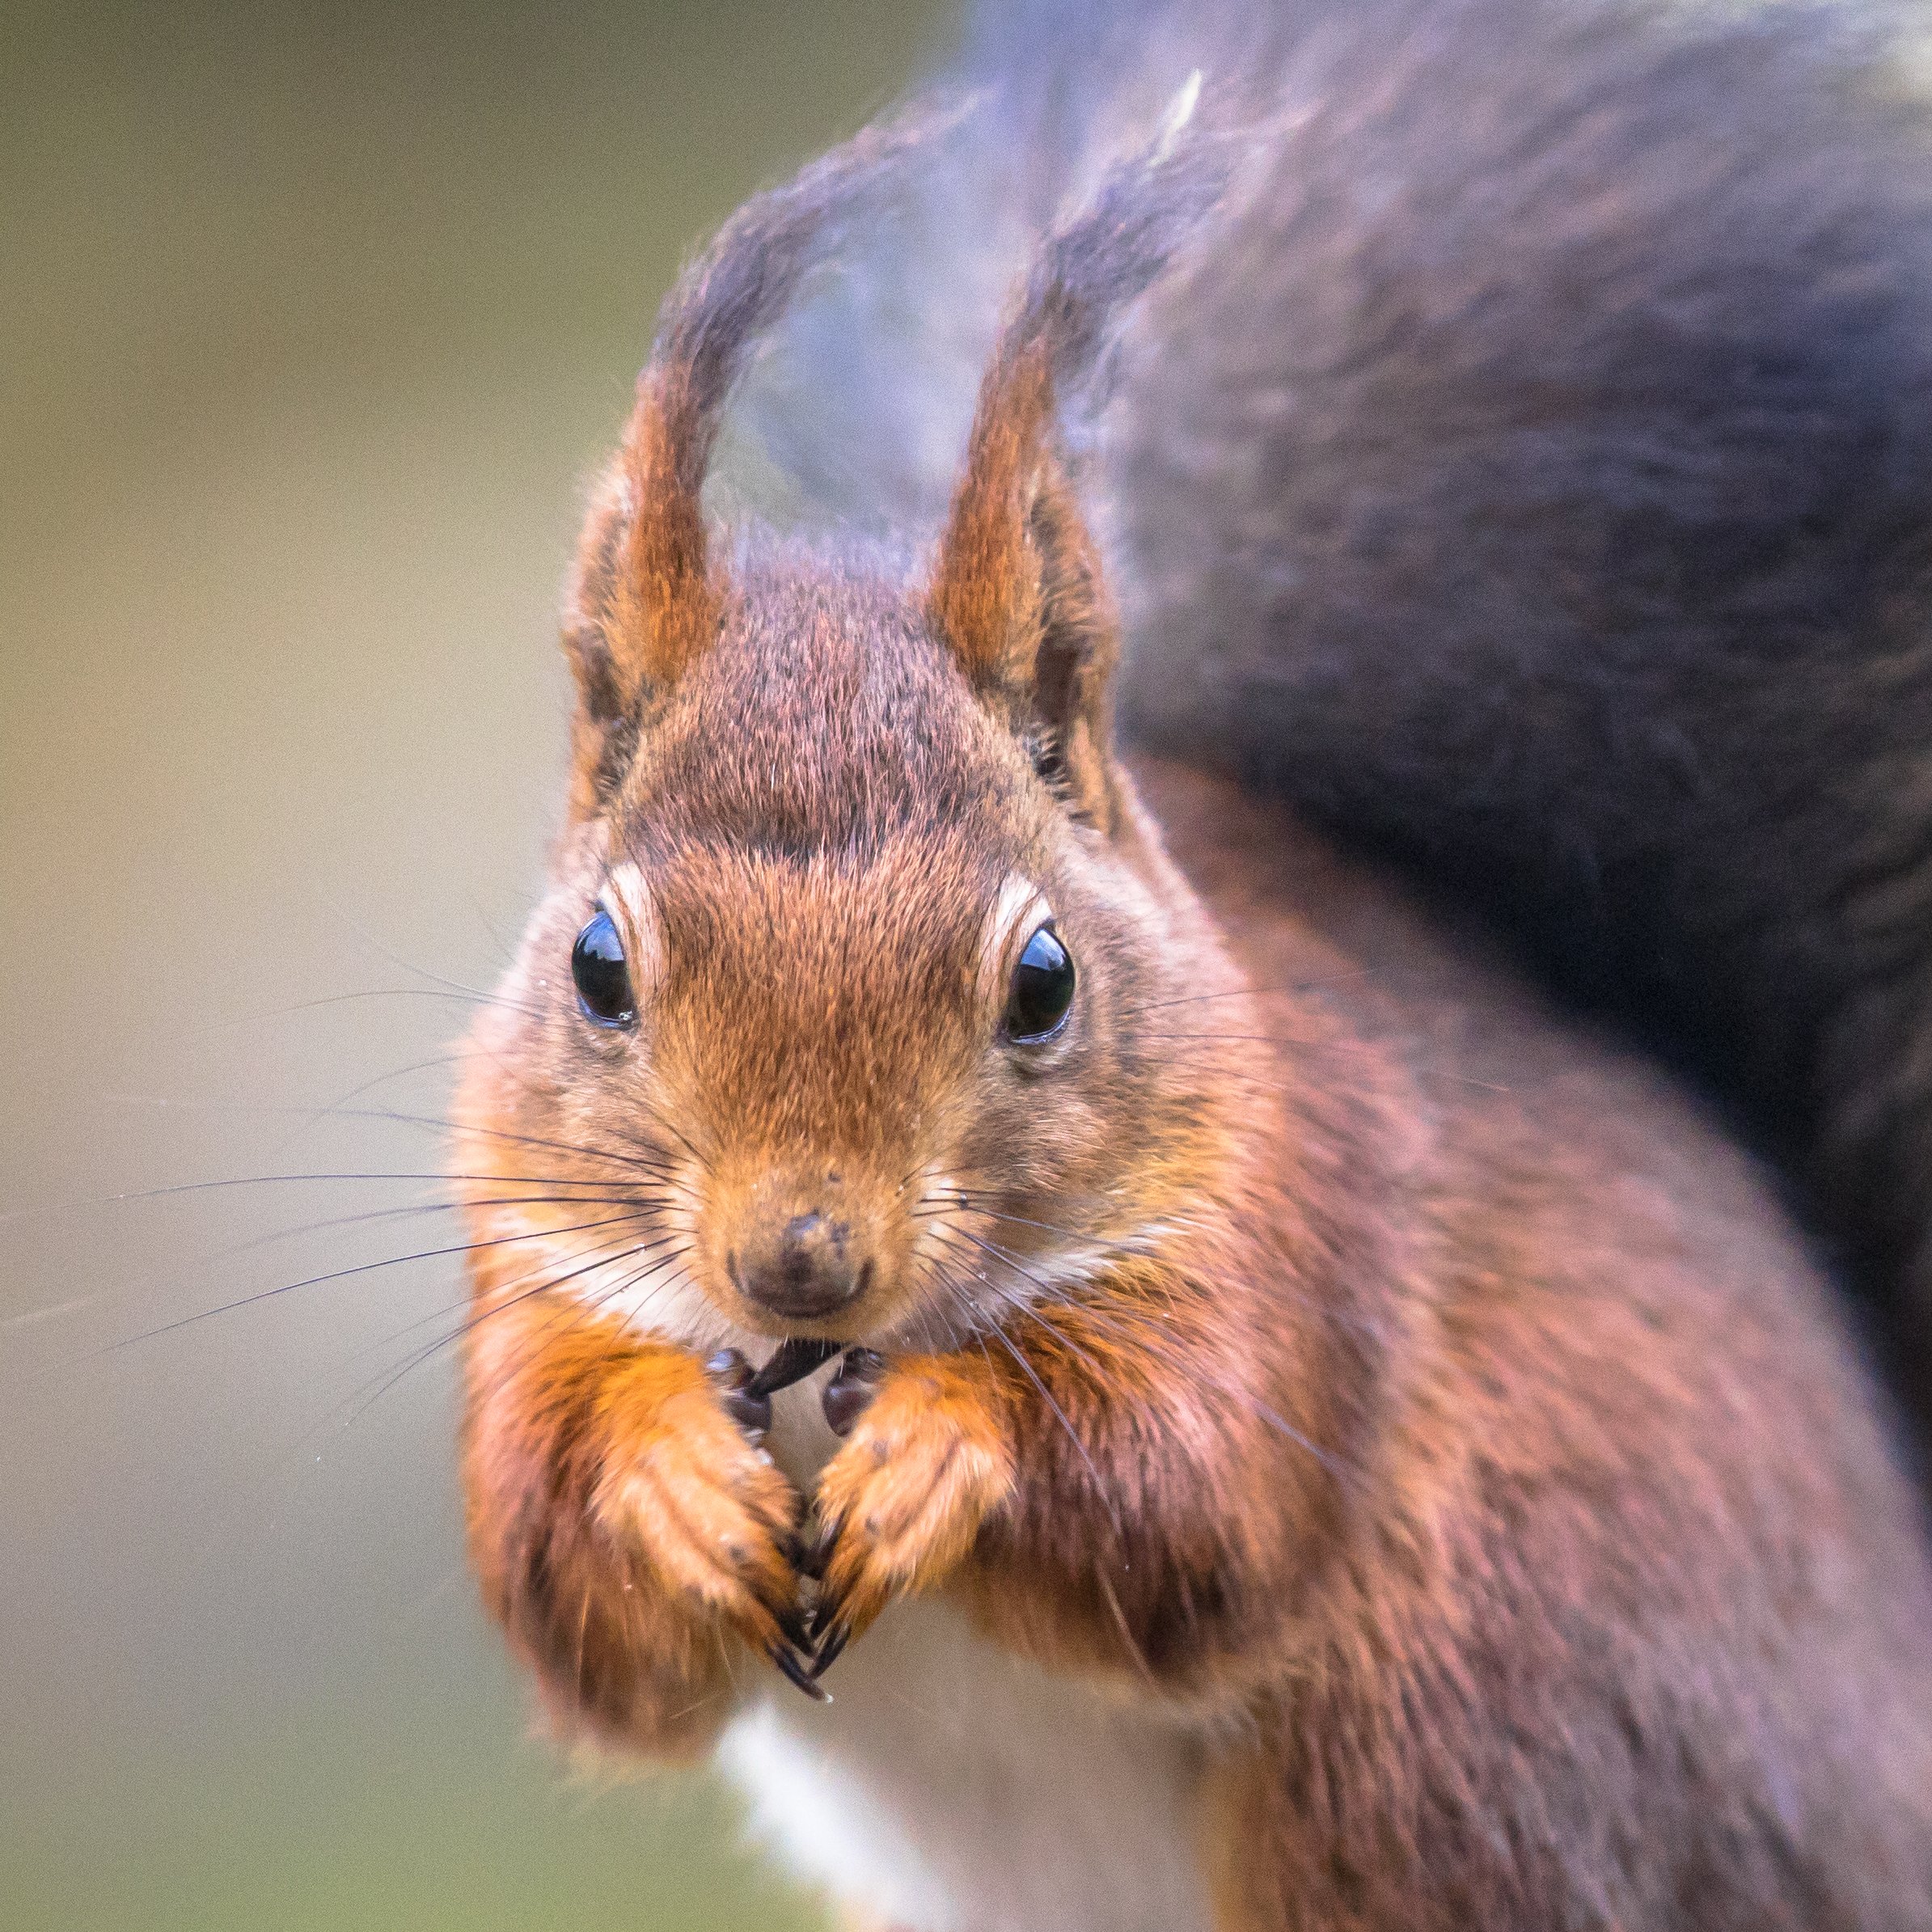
x=800, y=1247
x=805, y=1264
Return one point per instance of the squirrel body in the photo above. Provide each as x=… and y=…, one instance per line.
x=955, y=1782
x=1327, y=1439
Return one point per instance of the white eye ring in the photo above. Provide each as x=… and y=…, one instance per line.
x=626, y=897
x=1020, y=909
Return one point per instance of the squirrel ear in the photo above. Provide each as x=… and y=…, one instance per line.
x=1017, y=590
x=647, y=598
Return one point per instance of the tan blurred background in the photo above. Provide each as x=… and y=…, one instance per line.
x=312, y=323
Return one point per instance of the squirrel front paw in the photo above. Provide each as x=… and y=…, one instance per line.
x=926, y=1459
x=686, y=1483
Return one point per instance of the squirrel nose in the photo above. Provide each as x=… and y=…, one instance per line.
x=805, y=1268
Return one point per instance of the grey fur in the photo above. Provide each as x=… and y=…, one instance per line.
x=1531, y=476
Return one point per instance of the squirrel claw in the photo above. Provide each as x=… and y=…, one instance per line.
x=751, y=1413
x=813, y=1556
x=745, y=1403
x=851, y=1389
x=829, y=1648
x=796, y=1673
x=796, y=1627
x=818, y=1623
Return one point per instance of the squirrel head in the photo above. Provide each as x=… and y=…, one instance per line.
x=839, y=982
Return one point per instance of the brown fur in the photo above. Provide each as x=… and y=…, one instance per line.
x=1314, y=1341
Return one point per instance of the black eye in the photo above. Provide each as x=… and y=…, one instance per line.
x=1043, y=989
x=603, y=981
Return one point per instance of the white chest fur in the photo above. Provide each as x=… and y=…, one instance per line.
x=951, y=1787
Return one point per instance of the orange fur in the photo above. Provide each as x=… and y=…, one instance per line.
x=905, y=1500
x=985, y=591
x=628, y=1536
x=676, y=613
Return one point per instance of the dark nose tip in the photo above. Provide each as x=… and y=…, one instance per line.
x=808, y=1270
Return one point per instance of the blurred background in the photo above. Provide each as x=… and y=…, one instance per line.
x=313, y=323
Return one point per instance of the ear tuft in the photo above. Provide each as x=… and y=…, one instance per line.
x=986, y=588
x=1017, y=590
x=647, y=598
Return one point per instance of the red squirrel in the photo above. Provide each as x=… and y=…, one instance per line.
x=1300, y=1431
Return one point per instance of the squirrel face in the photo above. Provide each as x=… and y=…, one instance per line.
x=862, y=910
x=855, y=975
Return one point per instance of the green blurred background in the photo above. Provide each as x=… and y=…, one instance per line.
x=313, y=322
